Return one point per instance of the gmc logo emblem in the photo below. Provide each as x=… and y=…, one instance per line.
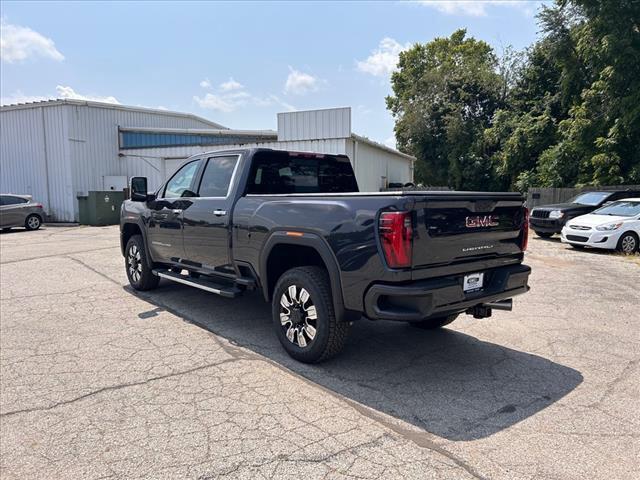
x=481, y=221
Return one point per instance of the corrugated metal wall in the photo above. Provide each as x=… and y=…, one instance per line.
x=35, y=157
x=57, y=151
x=314, y=124
x=371, y=164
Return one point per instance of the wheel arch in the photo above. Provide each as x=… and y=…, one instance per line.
x=128, y=230
x=302, y=249
x=632, y=232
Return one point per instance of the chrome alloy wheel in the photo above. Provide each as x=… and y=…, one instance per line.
x=134, y=263
x=298, y=316
x=628, y=244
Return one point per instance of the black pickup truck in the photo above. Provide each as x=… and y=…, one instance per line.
x=294, y=226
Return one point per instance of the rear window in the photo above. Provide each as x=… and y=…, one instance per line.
x=285, y=172
x=590, y=198
x=9, y=200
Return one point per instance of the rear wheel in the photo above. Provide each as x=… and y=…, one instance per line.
x=544, y=234
x=434, y=323
x=32, y=222
x=628, y=243
x=303, y=315
x=139, y=272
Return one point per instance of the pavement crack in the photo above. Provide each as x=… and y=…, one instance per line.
x=86, y=265
x=119, y=387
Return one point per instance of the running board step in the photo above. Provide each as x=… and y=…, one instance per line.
x=248, y=282
x=201, y=283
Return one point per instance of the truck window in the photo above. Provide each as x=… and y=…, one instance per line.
x=284, y=172
x=217, y=176
x=181, y=180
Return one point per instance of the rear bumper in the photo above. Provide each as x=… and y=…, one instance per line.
x=546, y=225
x=441, y=296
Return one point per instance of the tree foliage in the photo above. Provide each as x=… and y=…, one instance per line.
x=564, y=113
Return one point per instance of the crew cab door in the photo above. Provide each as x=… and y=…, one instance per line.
x=164, y=234
x=207, y=223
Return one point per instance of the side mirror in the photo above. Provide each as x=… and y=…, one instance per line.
x=139, y=189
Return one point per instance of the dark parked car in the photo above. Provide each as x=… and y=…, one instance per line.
x=20, y=211
x=549, y=219
x=294, y=226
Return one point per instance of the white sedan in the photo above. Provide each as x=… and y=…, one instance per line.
x=614, y=227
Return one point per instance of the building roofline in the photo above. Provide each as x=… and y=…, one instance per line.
x=113, y=106
x=314, y=110
x=202, y=131
x=382, y=146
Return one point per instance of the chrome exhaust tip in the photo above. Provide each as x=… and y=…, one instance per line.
x=500, y=305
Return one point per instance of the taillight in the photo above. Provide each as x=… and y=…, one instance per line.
x=525, y=230
x=38, y=205
x=396, y=232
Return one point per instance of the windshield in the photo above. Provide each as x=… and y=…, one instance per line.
x=590, y=198
x=620, y=209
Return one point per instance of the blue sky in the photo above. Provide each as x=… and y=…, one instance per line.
x=237, y=63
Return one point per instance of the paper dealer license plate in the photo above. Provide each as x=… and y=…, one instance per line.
x=473, y=282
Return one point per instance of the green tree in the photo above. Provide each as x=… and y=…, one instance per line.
x=597, y=46
x=445, y=94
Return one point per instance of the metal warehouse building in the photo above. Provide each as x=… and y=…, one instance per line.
x=59, y=150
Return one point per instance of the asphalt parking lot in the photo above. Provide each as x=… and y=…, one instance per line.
x=97, y=381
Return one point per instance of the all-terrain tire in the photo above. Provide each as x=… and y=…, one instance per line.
x=329, y=335
x=139, y=272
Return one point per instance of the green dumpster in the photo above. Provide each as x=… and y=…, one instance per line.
x=100, y=208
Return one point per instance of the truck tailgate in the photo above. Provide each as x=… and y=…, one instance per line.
x=459, y=228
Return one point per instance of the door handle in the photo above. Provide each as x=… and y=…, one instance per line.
x=176, y=210
x=219, y=213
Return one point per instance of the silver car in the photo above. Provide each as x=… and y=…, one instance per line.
x=20, y=211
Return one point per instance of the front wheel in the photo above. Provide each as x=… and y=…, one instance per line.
x=32, y=222
x=303, y=315
x=139, y=272
x=544, y=234
x=434, y=323
x=628, y=243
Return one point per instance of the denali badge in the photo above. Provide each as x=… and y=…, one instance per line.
x=481, y=221
x=474, y=249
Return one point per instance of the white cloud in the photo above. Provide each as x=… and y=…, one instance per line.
x=19, y=43
x=215, y=102
x=206, y=83
x=300, y=83
x=271, y=100
x=230, y=84
x=68, y=92
x=384, y=59
x=232, y=95
x=61, y=92
x=19, y=97
x=475, y=8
